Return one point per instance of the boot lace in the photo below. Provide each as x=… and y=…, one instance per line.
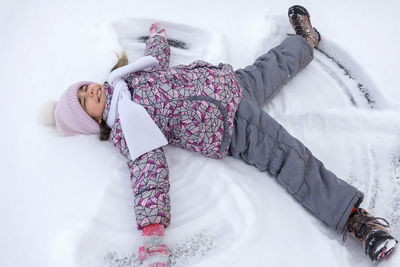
x=299, y=28
x=366, y=224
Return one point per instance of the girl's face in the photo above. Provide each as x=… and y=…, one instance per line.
x=93, y=100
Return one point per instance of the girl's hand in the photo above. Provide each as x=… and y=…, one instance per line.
x=157, y=29
x=154, y=253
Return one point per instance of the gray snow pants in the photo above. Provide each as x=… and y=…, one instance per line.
x=261, y=141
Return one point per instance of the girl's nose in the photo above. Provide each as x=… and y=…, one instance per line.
x=90, y=92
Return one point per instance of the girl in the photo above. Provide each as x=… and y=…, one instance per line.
x=216, y=111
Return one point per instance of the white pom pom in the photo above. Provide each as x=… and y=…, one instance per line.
x=47, y=113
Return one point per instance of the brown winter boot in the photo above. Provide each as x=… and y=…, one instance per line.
x=372, y=232
x=300, y=20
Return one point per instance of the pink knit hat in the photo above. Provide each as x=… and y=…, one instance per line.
x=70, y=117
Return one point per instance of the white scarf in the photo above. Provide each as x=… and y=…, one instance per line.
x=141, y=133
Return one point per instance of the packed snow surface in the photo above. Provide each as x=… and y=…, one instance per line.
x=67, y=201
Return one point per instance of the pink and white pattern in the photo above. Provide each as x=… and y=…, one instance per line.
x=193, y=105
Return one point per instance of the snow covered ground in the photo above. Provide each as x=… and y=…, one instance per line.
x=67, y=201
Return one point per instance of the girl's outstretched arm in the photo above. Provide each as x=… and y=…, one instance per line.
x=149, y=179
x=157, y=46
x=150, y=183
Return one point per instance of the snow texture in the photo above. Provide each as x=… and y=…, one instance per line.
x=67, y=201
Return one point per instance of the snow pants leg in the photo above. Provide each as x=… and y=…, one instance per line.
x=261, y=141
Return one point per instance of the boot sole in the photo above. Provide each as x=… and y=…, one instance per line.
x=379, y=244
x=317, y=33
x=387, y=250
x=298, y=10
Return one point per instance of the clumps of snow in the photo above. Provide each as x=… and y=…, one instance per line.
x=184, y=253
x=250, y=212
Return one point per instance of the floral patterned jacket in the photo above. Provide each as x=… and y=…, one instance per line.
x=193, y=105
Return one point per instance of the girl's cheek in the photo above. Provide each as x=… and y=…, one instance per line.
x=92, y=109
x=89, y=108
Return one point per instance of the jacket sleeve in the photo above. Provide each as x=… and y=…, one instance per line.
x=158, y=47
x=149, y=181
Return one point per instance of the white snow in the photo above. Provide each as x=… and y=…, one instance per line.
x=67, y=201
